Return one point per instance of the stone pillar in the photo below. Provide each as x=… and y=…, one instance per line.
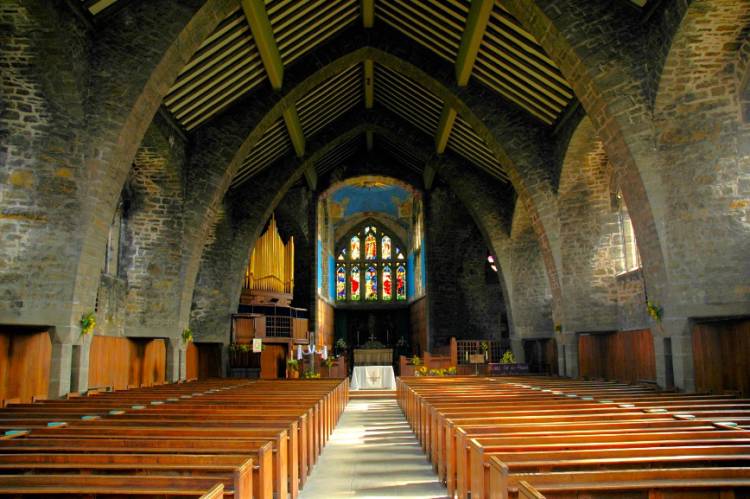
x=679, y=330
x=176, y=360
x=568, y=354
x=80, y=364
x=225, y=360
x=60, y=368
x=516, y=346
x=659, y=357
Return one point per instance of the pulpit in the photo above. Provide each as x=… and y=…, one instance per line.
x=373, y=356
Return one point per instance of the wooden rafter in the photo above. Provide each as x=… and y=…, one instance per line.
x=257, y=17
x=476, y=23
x=369, y=83
x=368, y=13
x=370, y=139
x=293, y=126
x=444, y=128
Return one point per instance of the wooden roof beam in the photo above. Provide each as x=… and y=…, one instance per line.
x=370, y=140
x=447, y=118
x=311, y=176
x=294, y=127
x=369, y=83
x=476, y=23
x=368, y=13
x=260, y=25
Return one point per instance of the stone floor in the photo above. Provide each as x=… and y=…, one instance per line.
x=371, y=454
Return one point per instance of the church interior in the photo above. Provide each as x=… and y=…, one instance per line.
x=375, y=248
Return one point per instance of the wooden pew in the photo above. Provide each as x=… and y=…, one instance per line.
x=235, y=418
x=115, y=485
x=666, y=484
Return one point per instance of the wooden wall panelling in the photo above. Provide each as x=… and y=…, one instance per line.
x=418, y=319
x=627, y=356
x=721, y=356
x=109, y=362
x=25, y=357
x=192, y=357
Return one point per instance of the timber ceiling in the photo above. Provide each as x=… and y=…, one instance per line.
x=253, y=45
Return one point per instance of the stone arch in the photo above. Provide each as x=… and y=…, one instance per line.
x=605, y=68
x=109, y=161
x=589, y=235
x=220, y=278
x=702, y=143
x=532, y=166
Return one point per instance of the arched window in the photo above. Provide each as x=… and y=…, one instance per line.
x=631, y=258
x=366, y=273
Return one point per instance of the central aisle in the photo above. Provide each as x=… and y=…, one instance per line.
x=372, y=453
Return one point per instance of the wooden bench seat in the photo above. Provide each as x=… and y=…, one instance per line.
x=235, y=471
x=670, y=483
x=111, y=485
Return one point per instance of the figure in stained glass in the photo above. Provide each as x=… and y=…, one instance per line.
x=354, y=283
x=401, y=283
x=341, y=283
x=387, y=281
x=385, y=248
x=371, y=283
x=355, y=248
x=371, y=250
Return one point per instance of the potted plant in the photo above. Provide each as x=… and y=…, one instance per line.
x=187, y=335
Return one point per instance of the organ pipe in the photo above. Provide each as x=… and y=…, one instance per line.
x=271, y=266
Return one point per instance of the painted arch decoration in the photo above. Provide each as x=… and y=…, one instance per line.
x=373, y=272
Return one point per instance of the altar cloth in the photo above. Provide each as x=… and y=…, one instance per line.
x=373, y=378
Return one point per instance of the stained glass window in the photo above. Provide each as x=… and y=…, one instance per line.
x=387, y=289
x=385, y=248
x=354, y=283
x=401, y=283
x=377, y=271
x=341, y=283
x=371, y=283
x=371, y=247
x=355, y=248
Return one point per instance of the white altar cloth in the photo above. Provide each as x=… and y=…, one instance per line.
x=373, y=378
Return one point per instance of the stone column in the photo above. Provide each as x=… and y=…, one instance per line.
x=659, y=356
x=516, y=345
x=567, y=354
x=80, y=364
x=679, y=329
x=60, y=367
x=176, y=360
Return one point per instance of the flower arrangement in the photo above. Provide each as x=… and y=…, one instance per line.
x=508, y=358
x=484, y=346
x=327, y=363
x=88, y=323
x=293, y=364
x=341, y=344
x=421, y=371
x=558, y=328
x=416, y=361
x=310, y=374
x=451, y=371
x=187, y=335
x=655, y=311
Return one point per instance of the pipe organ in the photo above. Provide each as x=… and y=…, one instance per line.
x=269, y=277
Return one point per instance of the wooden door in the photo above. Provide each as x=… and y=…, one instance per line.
x=273, y=362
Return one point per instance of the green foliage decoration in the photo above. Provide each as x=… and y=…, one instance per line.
x=88, y=323
x=187, y=335
x=655, y=311
x=416, y=361
x=508, y=358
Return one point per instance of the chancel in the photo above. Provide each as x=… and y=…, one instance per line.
x=375, y=248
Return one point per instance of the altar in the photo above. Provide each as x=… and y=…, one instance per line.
x=373, y=378
x=373, y=356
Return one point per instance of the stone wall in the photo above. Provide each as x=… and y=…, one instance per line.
x=461, y=302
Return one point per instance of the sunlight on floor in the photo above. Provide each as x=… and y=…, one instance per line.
x=373, y=454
